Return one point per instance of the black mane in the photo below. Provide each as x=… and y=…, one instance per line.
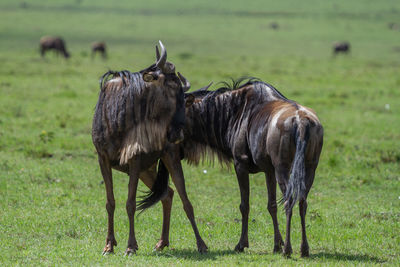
x=232, y=85
x=239, y=82
x=111, y=74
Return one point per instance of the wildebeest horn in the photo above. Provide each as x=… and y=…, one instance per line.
x=186, y=83
x=205, y=88
x=163, y=58
x=157, y=53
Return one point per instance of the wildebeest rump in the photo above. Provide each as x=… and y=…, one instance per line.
x=99, y=47
x=136, y=118
x=341, y=47
x=260, y=130
x=53, y=43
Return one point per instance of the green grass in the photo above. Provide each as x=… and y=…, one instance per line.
x=52, y=205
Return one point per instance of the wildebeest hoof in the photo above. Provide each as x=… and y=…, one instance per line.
x=287, y=251
x=161, y=245
x=278, y=249
x=240, y=247
x=130, y=251
x=305, y=252
x=109, y=248
x=202, y=247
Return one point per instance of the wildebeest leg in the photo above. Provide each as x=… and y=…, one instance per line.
x=287, y=249
x=167, y=205
x=148, y=177
x=110, y=205
x=282, y=176
x=242, y=175
x=273, y=207
x=131, y=204
x=304, y=249
x=173, y=163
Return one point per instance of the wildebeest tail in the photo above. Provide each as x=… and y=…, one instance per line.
x=158, y=191
x=296, y=188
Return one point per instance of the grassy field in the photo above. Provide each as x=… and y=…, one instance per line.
x=52, y=204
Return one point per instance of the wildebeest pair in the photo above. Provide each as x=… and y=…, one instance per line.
x=141, y=117
x=58, y=45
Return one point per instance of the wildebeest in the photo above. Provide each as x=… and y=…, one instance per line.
x=260, y=130
x=53, y=43
x=99, y=47
x=341, y=47
x=274, y=25
x=137, y=119
x=393, y=26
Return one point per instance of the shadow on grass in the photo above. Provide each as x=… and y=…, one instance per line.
x=189, y=254
x=346, y=257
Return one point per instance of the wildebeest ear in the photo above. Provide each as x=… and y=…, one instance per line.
x=189, y=100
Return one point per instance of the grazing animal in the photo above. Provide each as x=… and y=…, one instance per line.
x=260, y=130
x=53, y=43
x=393, y=26
x=138, y=118
x=274, y=25
x=341, y=47
x=99, y=47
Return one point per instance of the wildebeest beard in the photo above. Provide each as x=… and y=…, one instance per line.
x=133, y=118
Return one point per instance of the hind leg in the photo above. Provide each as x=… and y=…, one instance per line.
x=304, y=249
x=148, y=177
x=282, y=176
x=273, y=208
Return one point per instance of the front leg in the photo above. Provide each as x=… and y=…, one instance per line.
x=173, y=163
x=131, y=204
x=242, y=175
x=110, y=205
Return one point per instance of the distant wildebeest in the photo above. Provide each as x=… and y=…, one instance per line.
x=99, y=47
x=274, y=25
x=341, y=47
x=53, y=43
x=260, y=130
x=138, y=118
x=393, y=26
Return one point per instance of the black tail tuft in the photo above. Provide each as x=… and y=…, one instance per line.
x=296, y=188
x=158, y=191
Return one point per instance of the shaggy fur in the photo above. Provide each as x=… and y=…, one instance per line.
x=131, y=118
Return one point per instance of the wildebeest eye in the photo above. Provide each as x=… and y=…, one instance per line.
x=149, y=77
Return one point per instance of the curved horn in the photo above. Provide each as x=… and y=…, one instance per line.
x=186, y=83
x=157, y=53
x=163, y=58
x=205, y=88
